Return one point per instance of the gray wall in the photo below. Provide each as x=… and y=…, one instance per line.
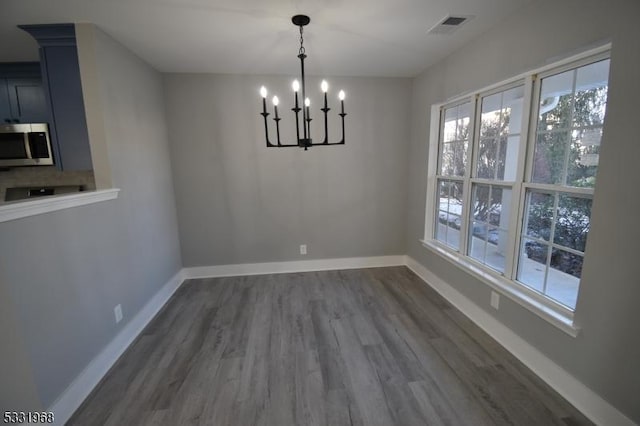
x=606, y=355
x=62, y=273
x=240, y=202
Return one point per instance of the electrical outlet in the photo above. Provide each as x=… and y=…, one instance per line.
x=118, y=313
x=303, y=249
x=495, y=299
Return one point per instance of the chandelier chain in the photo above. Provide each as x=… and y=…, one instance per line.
x=301, y=51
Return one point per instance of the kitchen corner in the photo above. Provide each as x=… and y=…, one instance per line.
x=22, y=183
x=13, y=211
x=52, y=158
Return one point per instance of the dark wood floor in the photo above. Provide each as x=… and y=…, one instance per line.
x=356, y=347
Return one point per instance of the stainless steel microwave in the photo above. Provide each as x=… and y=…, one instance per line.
x=25, y=145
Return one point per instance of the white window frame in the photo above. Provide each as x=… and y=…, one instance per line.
x=506, y=283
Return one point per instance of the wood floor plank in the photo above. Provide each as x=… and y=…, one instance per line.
x=401, y=403
x=331, y=363
x=310, y=397
x=364, y=383
x=354, y=347
x=438, y=375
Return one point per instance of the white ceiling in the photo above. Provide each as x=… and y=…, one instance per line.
x=346, y=37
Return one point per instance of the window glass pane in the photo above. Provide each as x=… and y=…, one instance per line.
x=464, y=118
x=495, y=216
x=453, y=158
x=443, y=208
x=447, y=158
x=491, y=119
x=590, y=101
x=533, y=264
x=508, y=164
x=563, y=279
x=539, y=215
x=478, y=241
x=583, y=157
x=489, y=231
x=501, y=116
x=496, y=245
x=481, y=202
x=449, y=130
x=502, y=153
x=449, y=212
x=460, y=158
x=455, y=140
x=487, y=158
x=572, y=222
x=570, y=119
x=549, y=157
x=566, y=262
x=556, y=95
x=512, y=110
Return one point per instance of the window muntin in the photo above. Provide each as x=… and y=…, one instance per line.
x=529, y=227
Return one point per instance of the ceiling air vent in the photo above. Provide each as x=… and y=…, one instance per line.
x=449, y=24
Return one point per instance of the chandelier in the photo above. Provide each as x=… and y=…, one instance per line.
x=305, y=141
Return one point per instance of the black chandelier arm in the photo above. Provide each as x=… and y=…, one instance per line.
x=325, y=110
x=277, y=120
x=266, y=129
x=305, y=109
x=304, y=142
x=342, y=115
x=296, y=111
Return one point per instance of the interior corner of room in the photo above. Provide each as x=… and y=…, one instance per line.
x=187, y=194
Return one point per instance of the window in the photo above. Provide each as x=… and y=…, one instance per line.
x=515, y=175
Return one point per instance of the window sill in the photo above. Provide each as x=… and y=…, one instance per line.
x=527, y=299
x=24, y=209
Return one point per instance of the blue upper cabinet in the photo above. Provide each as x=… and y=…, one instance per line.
x=63, y=93
x=5, y=108
x=27, y=100
x=22, y=98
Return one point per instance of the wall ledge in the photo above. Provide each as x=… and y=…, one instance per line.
x=29, y=208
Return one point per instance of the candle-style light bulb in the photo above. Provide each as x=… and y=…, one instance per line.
x=307, y=102
x=295, y=85
x=324, y=86
x=263, y=92
x=341, y=97
x=276, y=101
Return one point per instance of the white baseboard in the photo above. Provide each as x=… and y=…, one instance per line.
x=69, y=401
x=584, y=399
x=293, y=266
